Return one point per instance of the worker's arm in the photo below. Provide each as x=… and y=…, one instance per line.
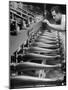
x=56, y=27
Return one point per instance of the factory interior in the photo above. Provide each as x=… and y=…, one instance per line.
x=35, y=52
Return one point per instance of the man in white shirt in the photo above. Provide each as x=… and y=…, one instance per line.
x=60, y=24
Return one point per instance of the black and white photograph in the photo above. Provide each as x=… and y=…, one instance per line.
x=37, y=44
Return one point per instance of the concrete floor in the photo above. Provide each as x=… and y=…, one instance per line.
x=17, y=40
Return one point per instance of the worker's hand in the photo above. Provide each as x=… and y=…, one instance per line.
x=46, y=21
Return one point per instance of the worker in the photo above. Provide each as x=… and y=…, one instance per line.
x=60, y=24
